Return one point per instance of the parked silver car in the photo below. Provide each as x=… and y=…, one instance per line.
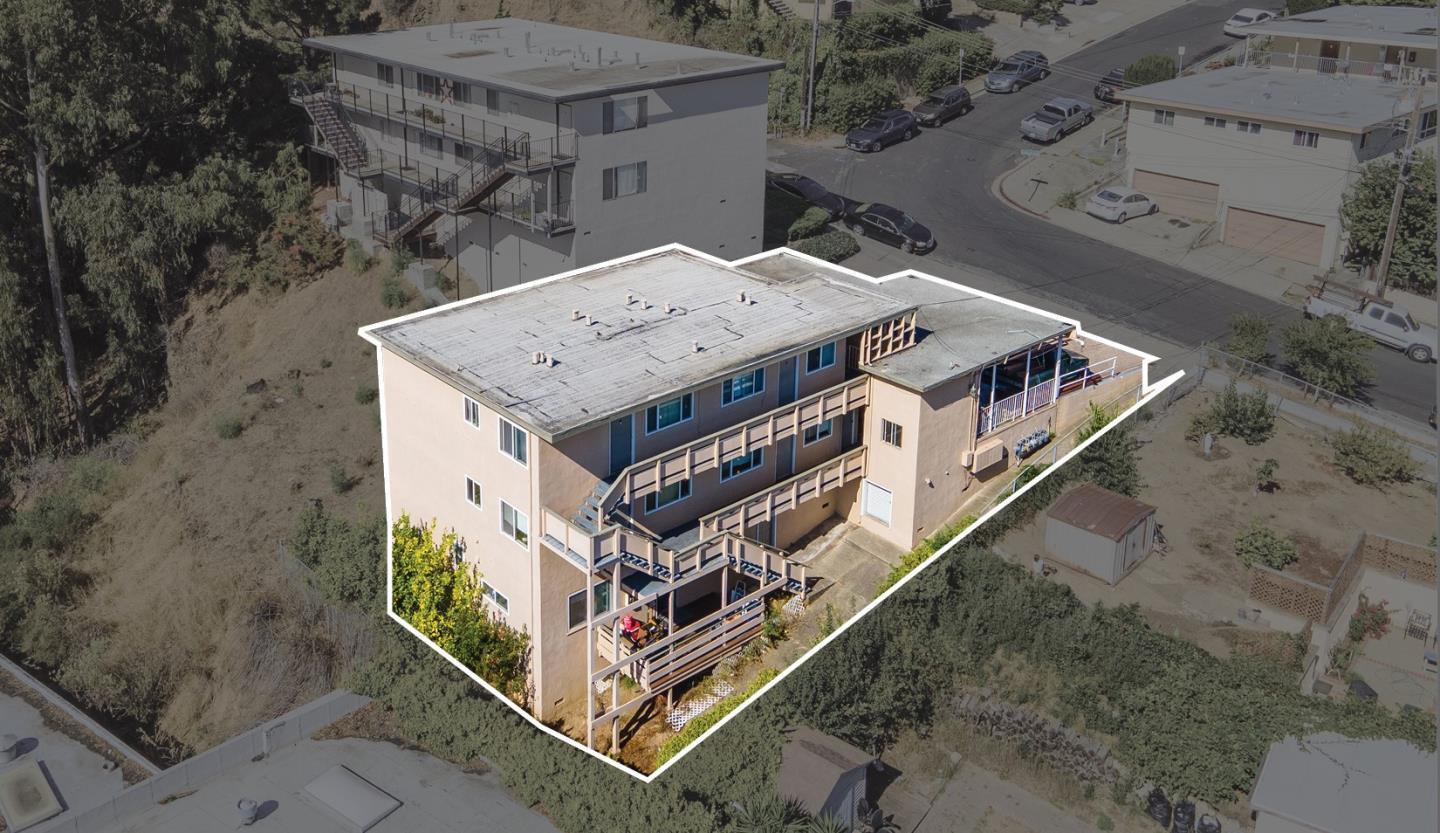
x=1016, y=71
x=1058, y=117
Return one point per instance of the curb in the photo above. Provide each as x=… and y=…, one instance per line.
x=997, y=188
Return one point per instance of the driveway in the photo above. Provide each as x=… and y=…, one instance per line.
x=944, y=178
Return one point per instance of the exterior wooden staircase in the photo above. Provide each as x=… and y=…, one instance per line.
x=782, y=8
x=334, y=126
x=456, y=194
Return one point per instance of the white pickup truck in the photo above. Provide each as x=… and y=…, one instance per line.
x=1382, y=320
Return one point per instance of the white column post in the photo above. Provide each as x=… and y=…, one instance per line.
x=994, y=374
x=1059, y=351
x=1025, y=394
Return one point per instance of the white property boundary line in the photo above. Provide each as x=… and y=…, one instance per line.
x=366, y=332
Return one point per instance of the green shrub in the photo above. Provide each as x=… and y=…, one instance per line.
x=782, y=211
x=1372, y=456
x=699, y=725
x=1262, y=545
x=1328, y=354
x=917, y=556
x=365, y=394
x=393, y=293
x=1247, y=416
x=1069, y=200
x=356, y=258
x=400, y=260
x=347, y=559
x=1150, y=69
x=834, y=245
x=1265, y=474
x=340, y=479
x=1104, y=823
x=1370, y=621
x=808, y=224
x=844, y=106
x=229, y=426
x=1249, y=337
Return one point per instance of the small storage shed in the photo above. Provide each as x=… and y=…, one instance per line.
x=1099, y=532
x=825, y=774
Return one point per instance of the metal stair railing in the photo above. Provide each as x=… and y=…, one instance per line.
x=329, y=117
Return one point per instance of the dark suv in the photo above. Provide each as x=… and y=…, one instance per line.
x=1016, y=71
x=1112, y=83
x=943, y=105
x=891, y=225
x=882, y=129
x=804, y=188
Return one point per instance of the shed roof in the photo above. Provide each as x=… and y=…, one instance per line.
x=1099, y=510
x=629, y=355
x=812, y=762
x=1304, y=99
x=543, y=60
x=1332, y=783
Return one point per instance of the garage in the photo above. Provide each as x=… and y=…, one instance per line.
x=1274, y=236
x=1179, y=196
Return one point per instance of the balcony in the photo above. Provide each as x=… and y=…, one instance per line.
x=1396, y=73
x=708, y=452
x=1035, y=395
x=534, y=152
x=764, y=505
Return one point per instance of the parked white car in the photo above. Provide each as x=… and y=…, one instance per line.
x=1245, y=18
x=1118, y=204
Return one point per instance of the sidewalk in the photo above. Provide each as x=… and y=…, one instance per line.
x=1078, y=26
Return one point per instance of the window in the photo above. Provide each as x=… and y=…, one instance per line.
x=575, y=604
x=495, y=596
x=1395, y=321
x=1250, y=127
x=1306, y=139
x=1215, y=121
x=1377, y=313
x=385, y=75
x=740, y=465
x=431, y=145
x=1427, y=125
x=492, y=100
x=460, y=92
x=472, y=492
x=820, y=358
x=427, y=85
x=514, y=524
x=1165, y=117
x=743, y=386
x=816, y=433
x=662, y=416
x=464, y=152
x=625, y=114
x=890, y=432
x=623, y=181
x=472, y=412
x=514, y=441
x=674, y=493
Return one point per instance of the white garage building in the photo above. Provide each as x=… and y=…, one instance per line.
x=1099, y=532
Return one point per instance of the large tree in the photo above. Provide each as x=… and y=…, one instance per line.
x=1366, y=215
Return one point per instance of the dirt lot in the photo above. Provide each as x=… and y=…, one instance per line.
x=188, y=577
x=1196, y=588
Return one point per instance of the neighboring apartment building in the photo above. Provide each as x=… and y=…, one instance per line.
x=1268, y=149
x=649, y=437
x=526, y=149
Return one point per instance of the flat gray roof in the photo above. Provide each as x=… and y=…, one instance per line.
x=543, y=60
x=629, y=356
x=1336, y=784
x=1350, y=105
x=959, y=330
x=1385, y=25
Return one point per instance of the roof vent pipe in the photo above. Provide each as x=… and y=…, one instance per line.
x=536, y=357
x=740, y=296
x=629, y=298
x=589, y=320
x=574, y=315
x=694, y=347
x=644, y=303
x=549, y=360
x=669, y=307
x=637, y=59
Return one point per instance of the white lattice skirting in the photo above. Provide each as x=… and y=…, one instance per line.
x=686, y=712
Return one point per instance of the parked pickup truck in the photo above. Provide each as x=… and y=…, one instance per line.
x=1383, y=321
x=1057, y=118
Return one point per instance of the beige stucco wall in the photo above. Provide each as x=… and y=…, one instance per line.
x=947, y=428
x=890, y=467
x=1264, y=173
x=429, y=451
x=559, y=661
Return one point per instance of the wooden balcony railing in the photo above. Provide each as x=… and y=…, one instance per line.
x=709, y=452
x=787, y=494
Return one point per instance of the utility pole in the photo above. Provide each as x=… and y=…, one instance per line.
x=810, y=83
x=1403, y=176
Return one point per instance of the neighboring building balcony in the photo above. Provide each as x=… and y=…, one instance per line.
x=1397, y=72
x=534, y=148
x=1036, y=392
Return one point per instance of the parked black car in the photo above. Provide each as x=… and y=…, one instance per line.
x=1016, y=71
x=804, y=188
x=881, y=129
x=1112, y=83
x=891, y=225
x=943, y=105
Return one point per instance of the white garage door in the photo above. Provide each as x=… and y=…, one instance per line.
x=1274, y=236
x=1179, y=196
x=878, y=502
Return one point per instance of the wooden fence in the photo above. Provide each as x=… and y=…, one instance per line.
x=1320, y=603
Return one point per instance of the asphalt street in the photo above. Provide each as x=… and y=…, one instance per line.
x=943, y=178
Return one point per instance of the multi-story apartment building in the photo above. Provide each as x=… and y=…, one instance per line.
x=525, y=149
x=1268, y=148
x=648, y=438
